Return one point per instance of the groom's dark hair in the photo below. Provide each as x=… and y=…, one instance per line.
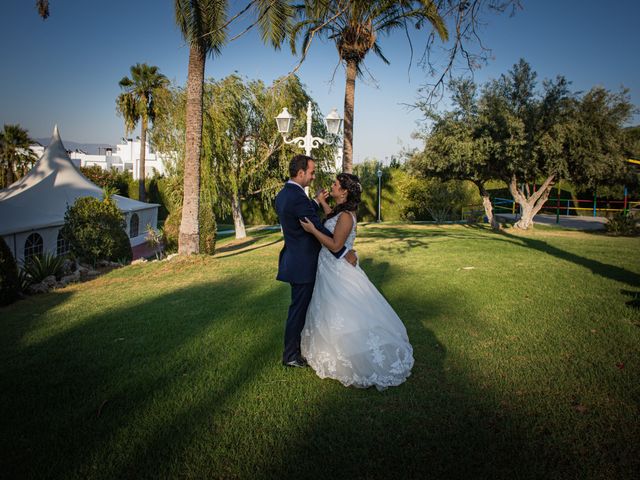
x=299, y=162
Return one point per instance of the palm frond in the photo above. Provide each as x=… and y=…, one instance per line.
x=274, y=21
x=376, y=49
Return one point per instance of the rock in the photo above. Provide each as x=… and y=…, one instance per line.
x=74, y=277
x=50, y=281
x=139, y=260
x=170, y=256
x=68, y=266
x=38, y=288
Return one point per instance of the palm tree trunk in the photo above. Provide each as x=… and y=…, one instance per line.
x=189, y=238
x=10, y=174
x=142, y=194
x=349, y=98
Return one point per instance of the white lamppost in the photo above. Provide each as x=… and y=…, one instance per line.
x=308, y=142
x=379, y=172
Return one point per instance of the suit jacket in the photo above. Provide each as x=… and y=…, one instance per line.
x=298, y=260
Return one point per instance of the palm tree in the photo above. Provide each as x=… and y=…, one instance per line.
x=43, y=8
x=354, y=26
x=15, y=151
x=136, y=104
x=204, y=26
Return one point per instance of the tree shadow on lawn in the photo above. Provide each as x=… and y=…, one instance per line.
x=120, y=393
x=21, y=316
x=605, y=270
x=409, y=238
x=243, y=248
x=439, y=424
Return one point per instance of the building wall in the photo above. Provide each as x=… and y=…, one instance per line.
x=126, y=157
x=16, y=242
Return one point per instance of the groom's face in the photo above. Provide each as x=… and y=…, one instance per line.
x=309, y=175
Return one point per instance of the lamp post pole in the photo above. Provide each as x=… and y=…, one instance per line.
x=379, y=172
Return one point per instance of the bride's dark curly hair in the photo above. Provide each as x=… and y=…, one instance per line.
x=351, y=183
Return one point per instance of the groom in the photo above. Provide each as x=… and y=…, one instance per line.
x=299, y=257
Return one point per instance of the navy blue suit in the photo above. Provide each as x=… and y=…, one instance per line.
x=298, y=260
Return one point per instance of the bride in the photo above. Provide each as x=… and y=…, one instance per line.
x=351, y=332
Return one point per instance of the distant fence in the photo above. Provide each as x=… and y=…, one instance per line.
x=558, y=206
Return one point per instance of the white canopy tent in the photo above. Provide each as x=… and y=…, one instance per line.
x=35, y=205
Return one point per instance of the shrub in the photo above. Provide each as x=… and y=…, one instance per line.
x=96, y=231
x=208, y=230
x=434, y=199
x=39, y=267
x=392, y=204
x=9, y=282
x=112, y=178
x=621, y=224
x=154, y=240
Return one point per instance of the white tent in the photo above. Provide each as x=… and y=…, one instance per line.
x=35, y=205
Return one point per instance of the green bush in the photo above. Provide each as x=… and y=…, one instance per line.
x=111, y=178
x=434, y=199
x=208, y=230
x=156, y=188
x=621, y=224
x=39, y=267
x=9, y=283
x=96, y=231
x=392, y=204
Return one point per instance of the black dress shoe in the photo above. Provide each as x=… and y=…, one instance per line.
x=296, y=362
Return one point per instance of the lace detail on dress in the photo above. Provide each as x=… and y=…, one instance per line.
x=351, y=333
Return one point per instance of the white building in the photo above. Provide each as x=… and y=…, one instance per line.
x=125, y=158
x=32, y=209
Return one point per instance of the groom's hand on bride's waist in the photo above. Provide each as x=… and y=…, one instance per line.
x=351, y=257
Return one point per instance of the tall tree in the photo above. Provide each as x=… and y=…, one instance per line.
x=15, y=155
x=244, y=155
x=135, y=104
x=453, y=147
x=527, y=137
x=355, y=27
x=204, y=25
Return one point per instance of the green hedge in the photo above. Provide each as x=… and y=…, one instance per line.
x=95, y=230
x=9, y=284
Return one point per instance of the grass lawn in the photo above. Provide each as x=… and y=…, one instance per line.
x=527, y=366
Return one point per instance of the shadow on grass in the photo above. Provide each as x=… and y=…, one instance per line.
x=243, y=248
x=605, y=270
x=176, y=386
x=119, y=394
x=439, y=424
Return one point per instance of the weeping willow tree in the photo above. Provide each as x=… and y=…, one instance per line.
x=243, y=158
x=244, y=155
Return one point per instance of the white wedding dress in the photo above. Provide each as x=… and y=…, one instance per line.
x=351, y=332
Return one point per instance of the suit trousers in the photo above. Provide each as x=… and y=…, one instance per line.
x=300, y=298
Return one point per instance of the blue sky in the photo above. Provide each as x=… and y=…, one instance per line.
x=66, y=69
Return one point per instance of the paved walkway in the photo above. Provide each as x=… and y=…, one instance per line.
x=566, y=221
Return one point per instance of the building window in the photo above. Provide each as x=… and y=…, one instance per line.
x=133, y=225
x=33, y=246
x=63, y=244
